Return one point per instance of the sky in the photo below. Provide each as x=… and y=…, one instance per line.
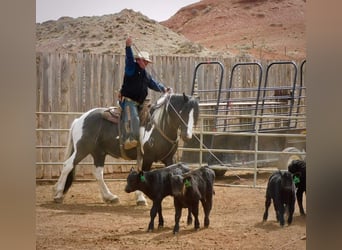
x=158, y=10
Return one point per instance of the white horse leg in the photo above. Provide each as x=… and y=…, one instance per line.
x=141, y=201
x=59, y=186
x=107, y=196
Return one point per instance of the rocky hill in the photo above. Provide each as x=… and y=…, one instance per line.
x=107, y=34
x=265, y=29
x=262, y=28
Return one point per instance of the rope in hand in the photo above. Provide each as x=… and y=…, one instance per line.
x=181, y=119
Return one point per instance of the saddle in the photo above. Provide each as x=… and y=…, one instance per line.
x=112, y=114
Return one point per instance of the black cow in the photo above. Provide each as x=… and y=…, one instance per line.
x=156, y=186
x=298, y=169
x=281, y=190
x=190, y=188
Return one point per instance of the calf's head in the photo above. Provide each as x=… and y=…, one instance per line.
x=183, y=184
x=297, y=167
x=177, y=185
x=286, y=180
x=134, y=181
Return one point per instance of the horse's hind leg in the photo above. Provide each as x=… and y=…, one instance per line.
x=60, y=185
x=107, y=196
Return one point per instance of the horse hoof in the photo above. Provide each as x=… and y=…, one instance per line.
x=113, y=201
x=58, y=200
x=141, y=203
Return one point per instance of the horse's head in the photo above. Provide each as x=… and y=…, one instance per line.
x=183, y=110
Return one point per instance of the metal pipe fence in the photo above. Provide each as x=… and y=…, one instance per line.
x=251, y=166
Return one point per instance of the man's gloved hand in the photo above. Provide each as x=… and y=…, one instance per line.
x=168, y=90
x=129, y=42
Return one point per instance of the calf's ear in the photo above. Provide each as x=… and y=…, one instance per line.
x=187, y=182
x=186, y=98
x=141, y=176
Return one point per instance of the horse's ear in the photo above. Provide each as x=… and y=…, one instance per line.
x=186, y=98
x=132, y=169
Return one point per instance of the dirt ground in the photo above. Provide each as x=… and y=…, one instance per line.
x=83, y=221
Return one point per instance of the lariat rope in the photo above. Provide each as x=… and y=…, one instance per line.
x=181, y=119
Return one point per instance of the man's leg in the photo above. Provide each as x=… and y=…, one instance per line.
x=131, y=125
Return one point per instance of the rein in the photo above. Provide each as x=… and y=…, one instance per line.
x=157, y=127
x=174, y=143
x=164, y=135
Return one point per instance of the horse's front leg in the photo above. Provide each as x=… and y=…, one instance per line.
x=107, y=196
x=141, y=200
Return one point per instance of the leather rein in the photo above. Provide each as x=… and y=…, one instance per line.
x=173, y=142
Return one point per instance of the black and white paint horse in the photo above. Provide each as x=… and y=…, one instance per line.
x=94, y=135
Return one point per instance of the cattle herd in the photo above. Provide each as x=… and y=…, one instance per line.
x=189, y=187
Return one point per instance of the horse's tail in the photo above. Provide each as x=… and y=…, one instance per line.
x=70, y=143
x=69, y=180
x=69, y=151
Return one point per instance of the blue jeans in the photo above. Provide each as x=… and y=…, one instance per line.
x=130, y=120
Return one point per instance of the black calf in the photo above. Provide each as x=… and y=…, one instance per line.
x=190, y=188
x=298, y=169
x=156, y=186
x=281, y=190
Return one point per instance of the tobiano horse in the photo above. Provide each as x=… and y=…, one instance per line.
x=94, y=134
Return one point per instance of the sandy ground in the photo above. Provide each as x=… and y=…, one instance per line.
x=83, y=221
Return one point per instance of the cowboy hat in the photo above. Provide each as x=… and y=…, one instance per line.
x=143, y=55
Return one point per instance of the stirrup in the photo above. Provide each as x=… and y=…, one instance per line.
x=129, y=144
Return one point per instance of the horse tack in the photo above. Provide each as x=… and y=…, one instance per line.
x=112, y=114
x=174, y=143
x=164, y=135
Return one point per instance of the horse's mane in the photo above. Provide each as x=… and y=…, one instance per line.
x=156, y=112
x=145, y=115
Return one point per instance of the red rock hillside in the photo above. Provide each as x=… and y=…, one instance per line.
x=265, y=29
